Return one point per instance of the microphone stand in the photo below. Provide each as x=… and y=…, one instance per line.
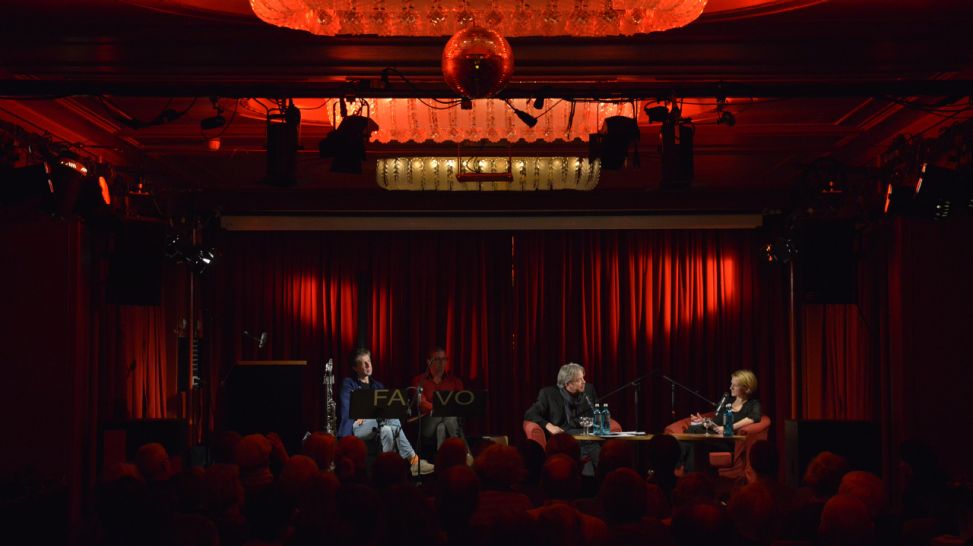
x=635, y=384
x=418, y=446
x=673, y=384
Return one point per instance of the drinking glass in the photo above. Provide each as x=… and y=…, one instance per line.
x=586, y=423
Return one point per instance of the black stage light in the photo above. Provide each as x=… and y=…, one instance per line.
x=346, y=144
x=283, y=137
x=938, y=192
x=899, y=200
x=612, y=143
x=27, y=186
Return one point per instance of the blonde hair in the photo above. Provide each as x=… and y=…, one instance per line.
x=747, y=380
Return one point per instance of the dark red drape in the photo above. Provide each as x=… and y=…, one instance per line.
x=511, y=308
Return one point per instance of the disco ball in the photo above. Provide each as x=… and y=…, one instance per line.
x=477, y=62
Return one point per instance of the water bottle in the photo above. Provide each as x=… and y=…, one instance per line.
x=606, y=422
x=596, y=420
x=728, y=422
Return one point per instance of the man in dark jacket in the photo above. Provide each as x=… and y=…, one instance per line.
x=558, y=408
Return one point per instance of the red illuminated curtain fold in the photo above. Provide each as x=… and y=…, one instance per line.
x=511, y=308
x=693, y=305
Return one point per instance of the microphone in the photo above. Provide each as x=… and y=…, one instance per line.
x=262, y=341
x=723, y=401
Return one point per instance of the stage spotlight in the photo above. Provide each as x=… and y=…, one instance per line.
x=656, y=114
x=216, y=121
x=346, y=144
x=726, y=118
x=612, y=143
x=780, y=250
x=283, y=137
x=677, y=155
x=528, y=119
x=201, y=258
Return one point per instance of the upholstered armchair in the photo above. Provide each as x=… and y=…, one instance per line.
x=730, y=465
x=537, y=433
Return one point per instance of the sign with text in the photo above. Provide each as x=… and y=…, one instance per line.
x=379, y=404
x=458, y=403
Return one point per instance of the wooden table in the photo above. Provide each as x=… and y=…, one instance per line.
x=645, y=437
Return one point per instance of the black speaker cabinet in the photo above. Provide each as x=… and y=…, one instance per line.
x=858, y=441
x=264, y=396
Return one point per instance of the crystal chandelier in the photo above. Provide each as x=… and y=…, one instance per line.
x=513, y=173
x=509, y=17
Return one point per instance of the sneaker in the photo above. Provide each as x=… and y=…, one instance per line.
x=421, y=468
x=469, y=459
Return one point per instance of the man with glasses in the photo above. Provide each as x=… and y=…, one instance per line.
x=559, y=408
x=436, y=378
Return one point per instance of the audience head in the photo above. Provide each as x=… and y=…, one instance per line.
x=700, y=523
x=350, y=457
x=764, y=460
x=563, y=442
x=824, y=473
x=560, y=477
x=866, y=487
x=268, y=512
x=252, y=455
x=559, y=524
x=845, y=521
x=389, y=469
x=152, y=461
x=754, y=514
x=693, y=488
x=663, y=454
x=222, y=490
x=457, y=495
x=321, y=447
x=499, y=467
x=656, y=504
x=297, y=472
x=615, y=454
x=451, y=453
x=533, y=456
x=623, y=496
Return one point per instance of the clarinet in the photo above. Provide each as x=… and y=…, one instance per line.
x=330, y=406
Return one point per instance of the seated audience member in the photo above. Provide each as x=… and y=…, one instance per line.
x=350, y=457
x=558, y=409
x=223, y=502
x=268, y=511
x=361, y=516
x=457, y=496
x=560, y=478
x=152, y=460
x=693, y=488
x=845, y=521
x=452, y=452
x=437, y=378
x=563, y=443
x=499, y=468
x=321, y=446
x=763, y=469
x=296, y=474
x=315, y=510
x=700, y=523
x=754, y=514
x=663, y=454
x=409, y=518
x=821, y=480
x=252, y=455
x=615, y=454
x=388, y=431
x=625, y=500
x=389, y=469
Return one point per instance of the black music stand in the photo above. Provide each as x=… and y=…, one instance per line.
x=458, y=403
x=379, y=404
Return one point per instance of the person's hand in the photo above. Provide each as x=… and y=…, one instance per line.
x=553, y=429
x=696, y=418
x=358, y=422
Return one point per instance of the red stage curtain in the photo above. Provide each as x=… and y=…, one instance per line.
x=511, y=308
x=135, y=343
x=839, y=376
